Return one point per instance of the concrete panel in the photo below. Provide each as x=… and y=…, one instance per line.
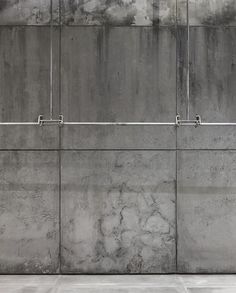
x=29, y=209
x=118, y=212
x=212, y=290
x=181, y=63
x=140, y=85
x=28, y=12
x=164, y=12
x=207, y=12
x=126, y=13
x=206, y=211
x=212, y=87
x=25, y=86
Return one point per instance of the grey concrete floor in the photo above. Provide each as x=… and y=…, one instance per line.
x=119, y=284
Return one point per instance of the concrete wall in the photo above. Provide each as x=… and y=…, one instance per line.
x=135, y=199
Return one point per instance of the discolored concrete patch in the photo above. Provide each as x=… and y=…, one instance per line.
x=138, y=86
x=124, y=13
x=28, y=12
x=206, y=211
x=212, y=86
x=118, y=212
x=207, y=12
x=29, y=209
x=25, y=86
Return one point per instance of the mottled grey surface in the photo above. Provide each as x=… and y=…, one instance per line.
x=212, y=290
x=206, y=211
x=181, y=73
x=123, y=12
x=164, y=12
x=212, y=86
x=209, y=280
x=118, y=137
x=118, y=284
x=98, y=12
x=93, y=283
x=138, y=86
x=24, y=86
x=118, y=74
x=28, y=12
x=29, y=201
x=118, y=212
x=207, y=12
x=113, y=12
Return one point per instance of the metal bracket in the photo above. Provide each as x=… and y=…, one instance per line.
x=197, y=122
x=42, y=122
x=177, y=120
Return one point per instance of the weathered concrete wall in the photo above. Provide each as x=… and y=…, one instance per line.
x=117, y=199
x=118, y=211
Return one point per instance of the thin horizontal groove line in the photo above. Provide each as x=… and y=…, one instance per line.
x=179, y=274
x=205, y=25
x=125, y=26
x=112, y=149
x=147, y=150
x=84, y=25
x=65, y=273
x=29, y=150
x=83, y=150
x=205, y=149
x=29, y=25
x=120, y=149
x=119, y=26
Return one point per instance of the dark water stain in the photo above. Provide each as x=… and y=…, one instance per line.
x=29, y=267
x=3, y=4
x=224, y=17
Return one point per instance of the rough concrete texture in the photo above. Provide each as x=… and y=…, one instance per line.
x=25, y=86
x=29, y=202
x=90, y=12
x=28, y=12
x=113, y=12
x=212, y=86
x=119, y=284
x=135, y=12
x=206, y=211
x=207, y=12
x=164, y=12
x=118, y=212
x=138, y=86
x=118, y=62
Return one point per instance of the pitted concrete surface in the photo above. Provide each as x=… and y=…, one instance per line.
x=119, y=284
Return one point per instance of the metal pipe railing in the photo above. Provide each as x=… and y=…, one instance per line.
x=188, y=63
x=18, y=123
x=51, y=62
x=122, y=123
x=178, y=122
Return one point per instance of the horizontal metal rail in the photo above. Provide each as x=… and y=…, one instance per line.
x=40, y=122
x=217, y=124
x=19, y=123
x=122, y=123
x=178, y=122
